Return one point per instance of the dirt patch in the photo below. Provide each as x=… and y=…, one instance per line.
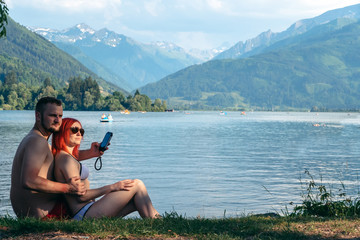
x=67, y=236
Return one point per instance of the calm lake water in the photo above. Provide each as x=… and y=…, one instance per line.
x=206, y=164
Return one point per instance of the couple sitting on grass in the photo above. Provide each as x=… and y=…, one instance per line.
x=45, y=179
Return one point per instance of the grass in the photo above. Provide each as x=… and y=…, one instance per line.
x=321, y=215
x=318, y=200
x=176, y=227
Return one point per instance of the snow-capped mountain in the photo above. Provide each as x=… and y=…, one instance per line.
x=116, y=54
x=210, y=53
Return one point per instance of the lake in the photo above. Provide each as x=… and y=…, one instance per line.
x=207, y=164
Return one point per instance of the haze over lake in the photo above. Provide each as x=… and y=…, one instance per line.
x=206, y=164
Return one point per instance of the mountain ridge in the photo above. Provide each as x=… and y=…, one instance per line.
x=254, y=45
x=132, y=64
x=321, y=69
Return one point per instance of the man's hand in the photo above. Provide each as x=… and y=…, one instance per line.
x=123, y=185
x=76, y=186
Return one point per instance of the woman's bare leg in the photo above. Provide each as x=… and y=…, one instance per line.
x=121, y=203
x=129, y=208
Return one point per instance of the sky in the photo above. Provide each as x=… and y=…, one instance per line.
x=201, y=24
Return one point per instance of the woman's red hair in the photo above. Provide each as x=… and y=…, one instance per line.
x=60, y=138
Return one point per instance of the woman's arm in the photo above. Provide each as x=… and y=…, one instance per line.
x=90, y=153
x=70, y=168
x=91, y=194
x=95, y=193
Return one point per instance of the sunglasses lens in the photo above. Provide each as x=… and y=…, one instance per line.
x=74, y=130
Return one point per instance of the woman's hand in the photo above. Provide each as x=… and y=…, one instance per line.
x=123, y=185
x=94, y=149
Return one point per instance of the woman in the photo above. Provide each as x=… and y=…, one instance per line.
x=119, y=199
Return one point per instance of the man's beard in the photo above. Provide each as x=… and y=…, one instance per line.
x=48, y=129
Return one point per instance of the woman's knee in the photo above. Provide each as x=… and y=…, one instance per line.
x=139, y=184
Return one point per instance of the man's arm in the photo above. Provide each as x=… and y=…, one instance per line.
x=70, y=169
x=34, y=157
x=90, y=153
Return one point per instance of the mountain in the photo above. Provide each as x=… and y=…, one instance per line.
x=256, y=45
x=118, y=58
x=33, y=59
x=208, y=54
x=318, y=68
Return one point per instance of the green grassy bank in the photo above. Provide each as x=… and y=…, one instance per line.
x=173, y=226
x=323, y=214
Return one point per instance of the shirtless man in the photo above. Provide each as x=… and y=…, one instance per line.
x=34, y=192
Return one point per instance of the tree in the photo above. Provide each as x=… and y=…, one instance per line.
x=2, y=100
x=47, y=91
x=12, y=99
x=88, y=101
x=47, y=82
x=136, y=93
x=75, y=90
x=4, y=11
x=114, y=104
x=119, y=96
x=10, y=78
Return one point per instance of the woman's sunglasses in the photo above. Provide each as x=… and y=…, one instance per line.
x=75, y=130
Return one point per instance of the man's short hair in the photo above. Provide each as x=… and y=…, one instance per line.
x=40, y=106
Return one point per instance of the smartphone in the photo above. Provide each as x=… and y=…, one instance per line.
x=105, y=141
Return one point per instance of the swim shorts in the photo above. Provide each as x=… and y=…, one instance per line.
x=81, y=213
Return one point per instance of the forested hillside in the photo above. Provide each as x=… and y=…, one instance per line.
x=78, y=94
x=256, y=45
x=33, y=59
x=31, y=67
x=320, y=68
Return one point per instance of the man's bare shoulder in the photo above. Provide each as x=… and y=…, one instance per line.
x=32, y=136
x=34, y=142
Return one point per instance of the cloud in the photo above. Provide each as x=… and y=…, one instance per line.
x=215, y=4
x=158, y=8
x=154, y=7
x=62, y=5
x=180, y=21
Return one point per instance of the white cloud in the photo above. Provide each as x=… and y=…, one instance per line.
x=215, y=4
x=68, y=5
x=154, y=7
x=185, y=22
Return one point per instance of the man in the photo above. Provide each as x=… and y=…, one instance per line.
x=34, y=193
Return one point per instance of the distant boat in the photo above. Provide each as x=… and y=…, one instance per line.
x=125, y=112
x=108, y=118
x=223, y=113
